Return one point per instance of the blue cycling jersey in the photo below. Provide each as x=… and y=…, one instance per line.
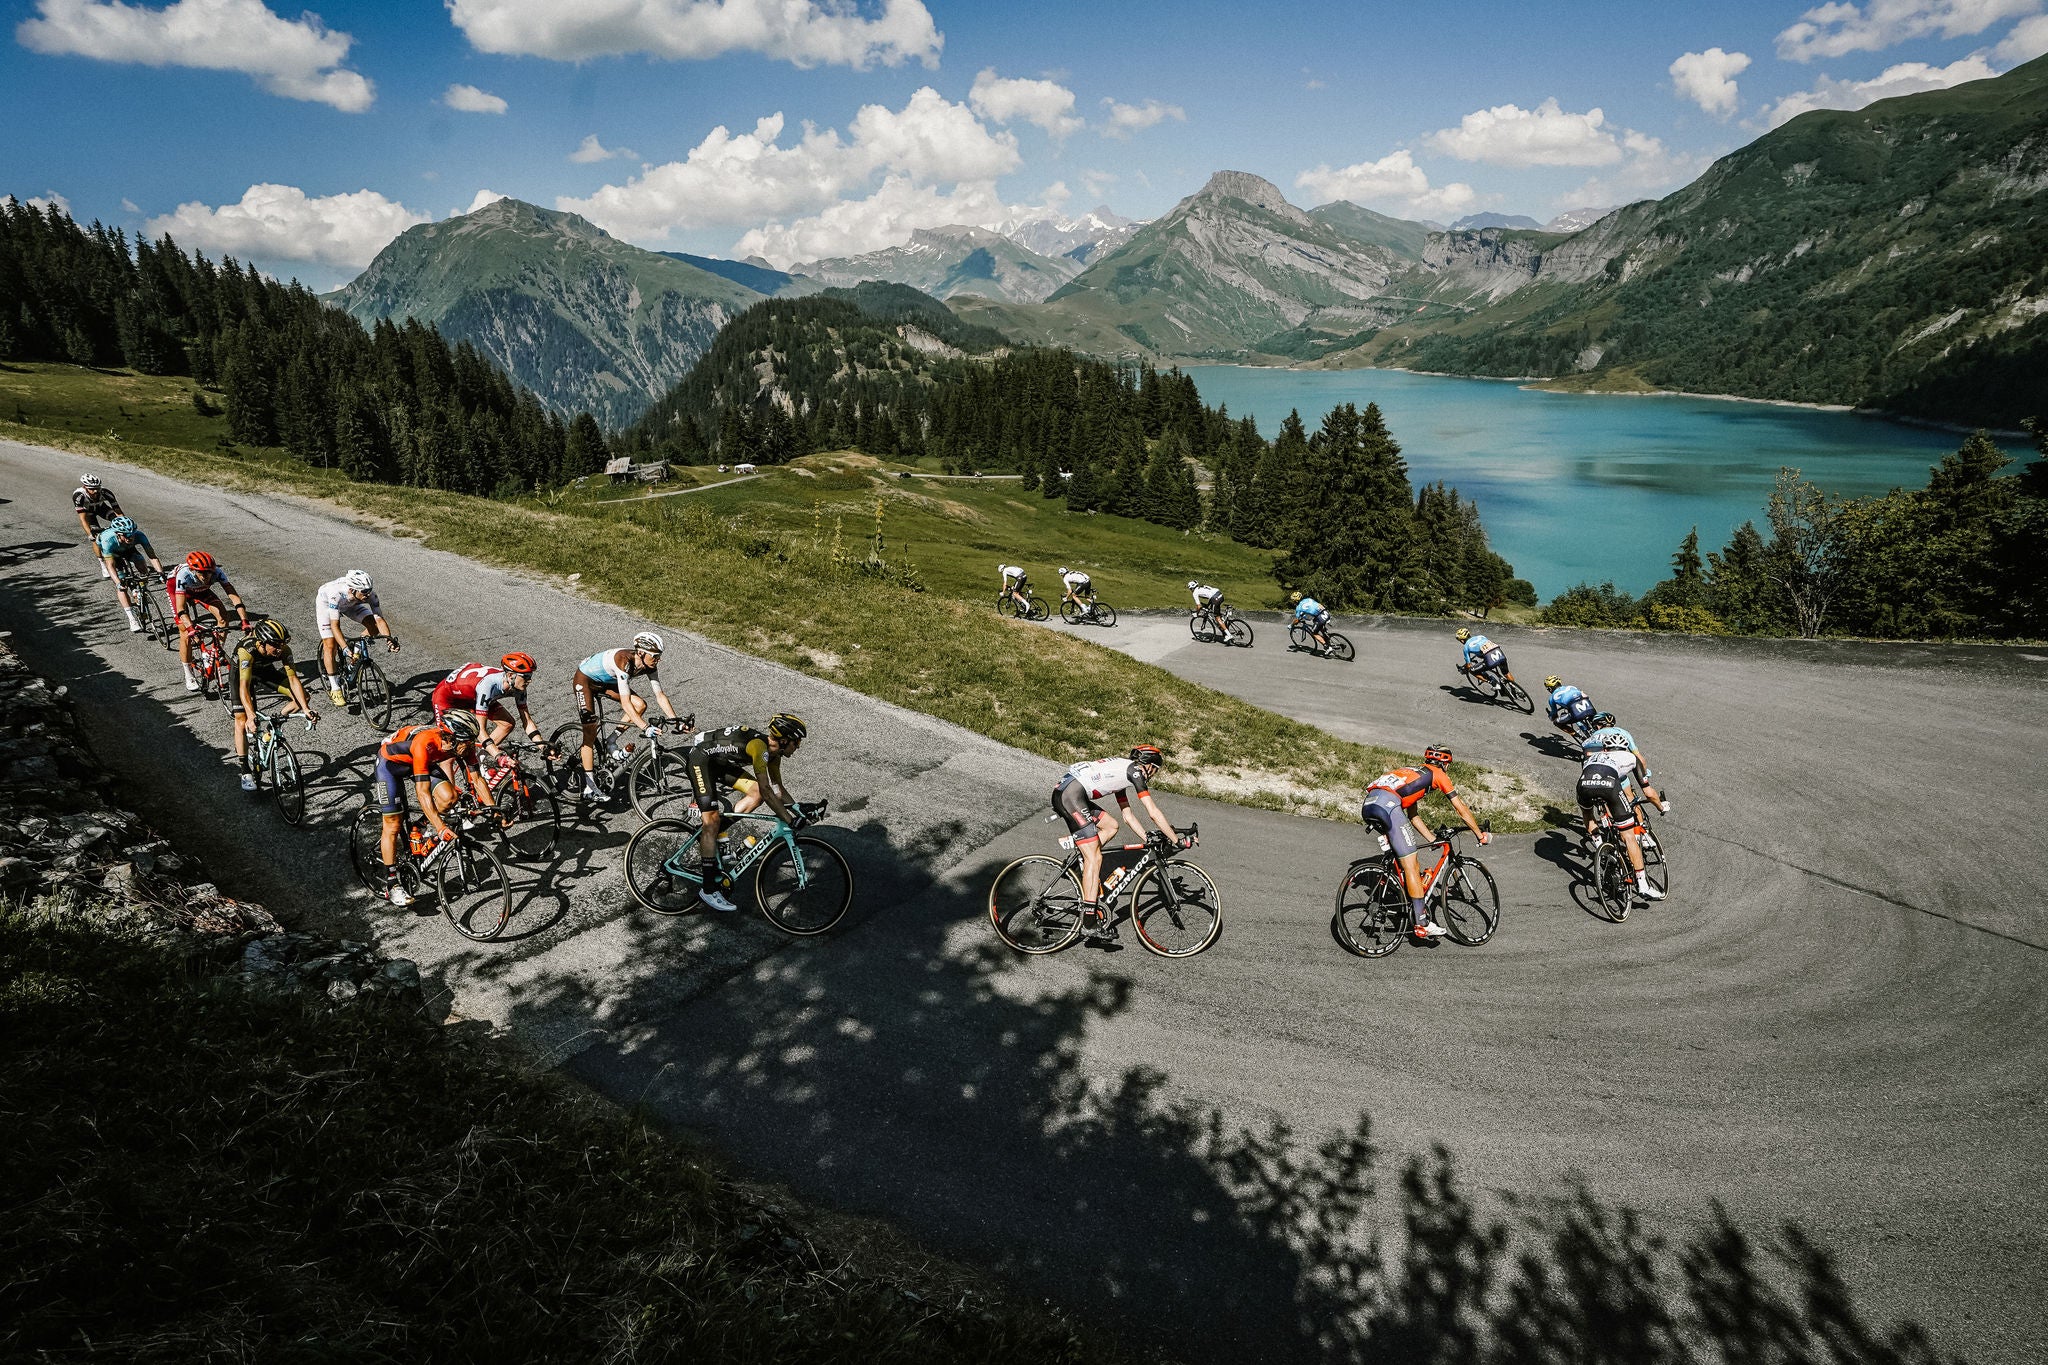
x=1477, y=646
x=598, y=667
x=1602, y=739
x=1308, y=606
x=1562, y=699
x=110, y=544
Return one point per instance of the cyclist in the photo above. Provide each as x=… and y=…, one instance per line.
x=486, y=690
x=94, y=502
x=191, y=588
x=1074, y=800
x=263, y=660
x=1611, y=763
x=1612, y=736
x=353, y=595
x=123, y=542
x=1016, y=586
x=1315, y=617
x=1481, y=655
x=610, y=673
x=1208, y=603
x=417, y=754
x=1390, y=801
x=1080, y=589
x=749, y=761
x=1570, y=709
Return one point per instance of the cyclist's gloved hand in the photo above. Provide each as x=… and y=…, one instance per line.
x=393, y=641
x=1187, y=841
x=1485, y=836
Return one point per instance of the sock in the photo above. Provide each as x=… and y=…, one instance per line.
x=333, y=682
x=131, y=616
x=1643, y=880
x=1417, y=914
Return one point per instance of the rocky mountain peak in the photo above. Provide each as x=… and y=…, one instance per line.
x=1251, y=189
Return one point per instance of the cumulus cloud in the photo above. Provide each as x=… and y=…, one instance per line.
x=885, y=218
x=804, y=33
x=1648, y=170
x=299, y=59
x=1509, y=135
x=2028, y=40
x=282, y=223
x=1906, y=78
x=1837, y=29
x=1394, y=180
x=1125, y=119
x=591, y=150
x=1048, y=104
x=483, y=198
x=47, y=201
x=733, y=178
x=1708, y=79
x=470, y=100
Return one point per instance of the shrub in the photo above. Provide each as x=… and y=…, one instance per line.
x=1586, y=605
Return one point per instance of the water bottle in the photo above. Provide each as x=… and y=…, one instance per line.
x=1116, y=879
x=497, y=773
x=751, y=840
x=422, y=843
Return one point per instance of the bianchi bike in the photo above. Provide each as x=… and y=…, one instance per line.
x=1093, y=612
x=1614, y=881
x=270, y=754
x=1224, y=627
x=1021, y=604
x=1034, y=904
x=1373, y=919
x=1302, y=639
x=1497, y=686
x=802, y=885
x=465, y=878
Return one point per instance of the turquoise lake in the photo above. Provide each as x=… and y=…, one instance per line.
x=1589, y=487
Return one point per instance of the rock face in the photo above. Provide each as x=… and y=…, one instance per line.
x=584, y=320
x=949, y=261
x=1083, y=240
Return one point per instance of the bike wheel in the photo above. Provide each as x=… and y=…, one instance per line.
x=1372, y=917
x=474, y=892
x=366, y=847
x=1070, y=613
x=1515, y=695
x=658, y=782
x=212, y=683
x=1004, y=606
x=1297, y=637
x=284, y=781
x=648, y=874
x=1486, y=685
x=805, y=894
x=1037, y=610
x=373, y=691
x=1176, y=910
x=1104, y=614
x=1613, y=882
x=536, y=818
x=1197, y=625
x=1034, y=904
x=1340, y=648
x=1470, y=904
x=1654, y=865
x=1238, y=633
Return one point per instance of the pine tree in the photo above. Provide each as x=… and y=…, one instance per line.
x=1352, y=544
x=583, y=450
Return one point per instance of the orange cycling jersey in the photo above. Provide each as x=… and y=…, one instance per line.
x=1412, y=784
x=420, y=746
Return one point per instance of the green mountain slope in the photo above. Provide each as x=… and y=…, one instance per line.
x=1398, y=235
x=584, y=320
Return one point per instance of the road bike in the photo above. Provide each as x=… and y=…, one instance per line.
x=1021, y=604
x=1581, y=730
x=271, y=755
x=143, y=589
x=649, y=774
x=1614, y=881
x=1301, y=637
x=1229, y=628
x=1372, y=918
x=1034, y=904
x=1499, y=687
x=363, y=684
x=1093, y=613
x=802, y=885
x=528, y=810
x=211, y=662
x=465, y=877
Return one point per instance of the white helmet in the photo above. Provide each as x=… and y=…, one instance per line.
x=89, y=482
x=647, y=642
x=1192, y=585
x=358, y=580
x=1063, y=568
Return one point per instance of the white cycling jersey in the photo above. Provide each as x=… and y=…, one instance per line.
x=332, y=602
x=1102, y=777
x=1621, y=761
x=1009, y=572
x=1205, y=594
x=1077, y=581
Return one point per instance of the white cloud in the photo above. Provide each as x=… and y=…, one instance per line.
x=1393, y=180
x=591, y=150
x=1125, y=119
x=1708, y=79
x=130, y=206
x=1648, y=170
x=730, y=179
x=46, y=201
x=484, y=197
x=2028, y=40
x=1048, y=104
x=299, y=59
x=1907, y=78
x=470, y=100
x=803, y=32
x=1837, y=29
x=1509, y=135
x=885, y=218
x=280, y=223
x=1097, y=183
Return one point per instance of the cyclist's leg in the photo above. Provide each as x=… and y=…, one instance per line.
x=1084, y=824
x=390, y=787
x=589, y=710
x=328, y=623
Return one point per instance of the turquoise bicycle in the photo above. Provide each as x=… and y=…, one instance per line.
x=802, y=884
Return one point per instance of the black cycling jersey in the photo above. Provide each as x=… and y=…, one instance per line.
x=99, y=505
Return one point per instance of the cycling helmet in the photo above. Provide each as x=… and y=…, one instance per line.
x=518, y=661
x=358, y=580
x=1293, y=597
x=461, y=726
x=1063, y=571
x=1437, y=754
x=270, y=631
x=199, y=562
x=1552, y=683
x=89, y=482
x=785, y=727
x=122, y=526
x=1148, y=754
x=1464, y=634
x=1193, y=584
x=647, y=642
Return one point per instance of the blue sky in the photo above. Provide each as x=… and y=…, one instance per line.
x=306, y=144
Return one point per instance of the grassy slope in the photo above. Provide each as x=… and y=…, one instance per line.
x=782, y=593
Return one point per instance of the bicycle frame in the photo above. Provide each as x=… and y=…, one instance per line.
x=679, y=864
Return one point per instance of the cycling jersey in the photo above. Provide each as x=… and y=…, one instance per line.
x=413, y=753
x=1410, y=785
x=1603, y=782
x=1477, y=646
x=332, y=602
x=98, y=505
x=261, y=671
x=1569, y=705
x=1599, y=739
x=1205, y=594
x=185, y=583
x=475, y=687
x=718, y=757
x=1076, y=582
x=1308, y=606
x=1009, y=571
x=604, y=667
x=138, y=546
x=1624, y=762
x=1118, y=777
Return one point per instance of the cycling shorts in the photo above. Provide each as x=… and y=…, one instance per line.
x=1071, y=801
x=1577, y=711
x=590, y=695
x=326, y=617
x=394, y=776
x=1491, y=660
x=709, y=781
x=1382, y=810
x=1602, y=787
x=192, y=603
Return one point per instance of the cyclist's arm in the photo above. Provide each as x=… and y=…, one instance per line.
x=245, y=686
x=1465, y=813
x=241, y=609
x=660, y=697
x=768, y=775
x=423, y=788
x=298, y=691
x=85, y=524
x=1158, y=817
x=478, y=786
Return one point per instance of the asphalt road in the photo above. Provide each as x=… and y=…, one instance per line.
x=1837, y=1019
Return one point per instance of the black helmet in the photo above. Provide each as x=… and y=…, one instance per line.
x=270, y=631
x=785, y=727
x=462, y=726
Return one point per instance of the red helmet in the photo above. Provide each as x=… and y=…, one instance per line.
x=1437, y=754
x=518, y=661
x=199, y=562
x=1148, y=754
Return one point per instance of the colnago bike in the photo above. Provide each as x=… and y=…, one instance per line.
x=271, y=755
x=1223, y=625
x=363, y=683
x=1022, y=604
x=529, y=810
x=1496, y=685
x=1034, y=904
x=652, y=775
x=1301, y=637
x=143, y=589
x=465, y=877
x=1372, y=918
x=802, y=884
x=1614, y=881
x=1091, y=612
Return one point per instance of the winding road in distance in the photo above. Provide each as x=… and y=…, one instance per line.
x=1838, y=1017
